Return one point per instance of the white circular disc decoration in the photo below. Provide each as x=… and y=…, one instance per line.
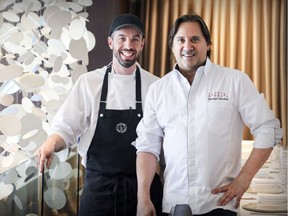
x=76, y=7
x=18, y=202
x=30, y=21
x=39, y=113
x=84, y=15
x=6, y=30
x=59, y=19
x=75, y=173
x=62, y=171
x=58, y=64
x=10, y=110
x=78, y=70
x=55, y=161
x=56, y=78
x=55, y=47
x=18, y=7
x=27, y=104
x=85, y=3
x=29, y=60
x=90, y=40
x=63, y=154
x=36, y=97
x=15, y=110
x=10, y=125
x=55, y=198
x=6, y=99
x=31, y=170
x=78, y=48
x=16, y=37
x=31, y=147
x=34, y=5
x=55, y=183
x=29, y=135
x=21, y=168
x=10, y=177
x=59, y=90
x=1, y=21
x=7, y=161
x=52, y=106
x=6, y=190
x=50, y=11
x=65, y=38
x=22, y=58
x=77, y=28
x=31, y=81
x=10, y=16
x=30, y=122
x=10, y=72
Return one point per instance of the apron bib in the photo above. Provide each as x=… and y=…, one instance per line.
x=110, y=186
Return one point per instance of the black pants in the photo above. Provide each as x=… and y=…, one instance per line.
x=215, y=212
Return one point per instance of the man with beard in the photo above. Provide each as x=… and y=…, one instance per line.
x=102, y=112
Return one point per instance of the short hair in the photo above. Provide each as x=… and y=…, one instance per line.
x=190, y=18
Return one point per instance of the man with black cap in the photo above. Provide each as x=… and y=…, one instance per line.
x=102, y=112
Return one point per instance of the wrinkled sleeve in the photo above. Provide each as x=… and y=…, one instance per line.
x=257, y=115
x=149, y=132
x=71, y=119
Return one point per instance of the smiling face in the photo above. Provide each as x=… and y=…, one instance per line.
x=127, y=44
x=189, y=47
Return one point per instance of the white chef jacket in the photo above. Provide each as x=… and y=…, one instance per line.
x=201, y=126
x=77, y=117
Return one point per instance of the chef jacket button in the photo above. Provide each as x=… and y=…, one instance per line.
x=139, y=115
x=101, y=115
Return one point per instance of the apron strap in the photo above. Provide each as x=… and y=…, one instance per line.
x=105, y=91
x=138, y=92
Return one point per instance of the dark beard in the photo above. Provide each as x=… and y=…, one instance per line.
x=126, y=64
x=123, y=63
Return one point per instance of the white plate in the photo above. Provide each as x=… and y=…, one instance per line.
x=267, y=208
x=266, y=188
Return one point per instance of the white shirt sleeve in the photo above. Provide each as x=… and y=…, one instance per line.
x=257, y=115
x=65, y=122
x=150, y=134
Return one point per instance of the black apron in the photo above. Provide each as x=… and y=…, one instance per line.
x=110, y=186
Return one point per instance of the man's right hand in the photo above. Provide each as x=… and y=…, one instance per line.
x=54, y=143
x=145, y=208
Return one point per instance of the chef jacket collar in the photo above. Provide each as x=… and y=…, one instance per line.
x=113, y=72
x=201, y=69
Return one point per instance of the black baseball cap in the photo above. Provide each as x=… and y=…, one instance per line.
x=126, y=20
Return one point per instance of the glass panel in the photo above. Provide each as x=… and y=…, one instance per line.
x=61, y=184
x=20, y=189
x=24, y=191
x=38, y=67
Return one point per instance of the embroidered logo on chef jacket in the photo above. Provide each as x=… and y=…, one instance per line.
x=218, y=95
x=121, y=127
